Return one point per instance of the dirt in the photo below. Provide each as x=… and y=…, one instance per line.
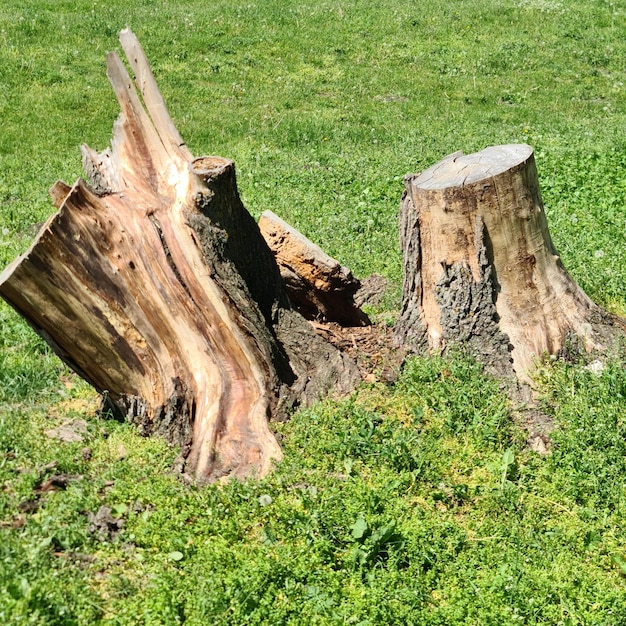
x=538, y=425
x=104, y=524
x=370, y=347
x=72, y=431
x=372, y=290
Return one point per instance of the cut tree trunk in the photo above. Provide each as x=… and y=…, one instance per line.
x=318, y=285
x=480, y=268
x=155, y=285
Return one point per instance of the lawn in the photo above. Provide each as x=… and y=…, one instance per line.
x=417, y=502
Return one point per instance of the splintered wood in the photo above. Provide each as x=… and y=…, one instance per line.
x=319, y=286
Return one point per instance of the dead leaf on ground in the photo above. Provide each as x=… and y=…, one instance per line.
x=70, y=432
x=17, y=521
x=56, y=483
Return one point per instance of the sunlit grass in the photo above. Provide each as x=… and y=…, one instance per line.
x=416, y=503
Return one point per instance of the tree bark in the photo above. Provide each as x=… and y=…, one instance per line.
x=155, y=285
x=480, y=268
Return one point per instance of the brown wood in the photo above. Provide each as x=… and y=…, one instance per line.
x=154, y=283
x=318, y=285
x=481, y=269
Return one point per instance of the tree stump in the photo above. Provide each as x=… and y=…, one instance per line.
x=480, y=268
x=155, y=285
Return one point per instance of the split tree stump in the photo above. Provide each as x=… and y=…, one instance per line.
x=480, y=268
x=155, y=285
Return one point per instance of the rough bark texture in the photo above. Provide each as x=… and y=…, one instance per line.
x=154, y=283
x=481, y=269
x=318, y=285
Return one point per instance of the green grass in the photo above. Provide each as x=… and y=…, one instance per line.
x=412, y=504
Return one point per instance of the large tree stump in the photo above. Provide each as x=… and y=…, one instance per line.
x=481, y=269
x=156, y=286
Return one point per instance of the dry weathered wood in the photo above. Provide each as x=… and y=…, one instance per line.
x=318, y=285
x=156, y=286
x=481, y=269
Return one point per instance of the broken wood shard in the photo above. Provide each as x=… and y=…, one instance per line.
x=154, y=283
x=481, y=269
x=318, y=285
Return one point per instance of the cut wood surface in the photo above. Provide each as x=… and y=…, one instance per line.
x=154, y=283
x=318, y=285
x=481, y=269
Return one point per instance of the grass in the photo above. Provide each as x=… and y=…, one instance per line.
x=417, y=503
